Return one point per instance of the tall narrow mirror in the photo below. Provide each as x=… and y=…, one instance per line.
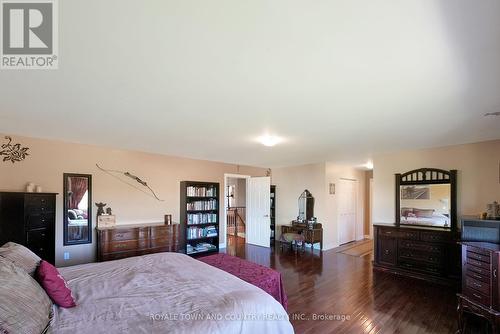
x=306, y=206
x=77, y=209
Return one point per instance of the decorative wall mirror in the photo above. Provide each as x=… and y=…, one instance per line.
x=77, y=209
x=427, y=197
x=306, y=206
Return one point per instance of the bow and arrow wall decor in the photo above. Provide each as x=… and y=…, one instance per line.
x=144, y=187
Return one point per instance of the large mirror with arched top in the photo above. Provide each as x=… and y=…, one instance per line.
x=427, y=197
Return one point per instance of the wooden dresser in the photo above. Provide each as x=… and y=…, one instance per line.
x=480, y=284
x=29, y=219
x=420, y=252
x=132, y=240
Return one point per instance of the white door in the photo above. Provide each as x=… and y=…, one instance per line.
x=347, y=210
x=258, y=224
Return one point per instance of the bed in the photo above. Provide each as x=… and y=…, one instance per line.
x=437, y=220
x=165, y=293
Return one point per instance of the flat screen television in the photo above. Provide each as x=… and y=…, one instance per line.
x=482, y=230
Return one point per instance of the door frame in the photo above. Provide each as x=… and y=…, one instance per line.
x=356, y=211
x=224, y=219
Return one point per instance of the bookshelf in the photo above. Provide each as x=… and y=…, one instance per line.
x=199, y=217
x=273, y=214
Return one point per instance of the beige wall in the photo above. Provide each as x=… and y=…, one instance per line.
x=291, y=181
x=478, y=175
x=48, y=160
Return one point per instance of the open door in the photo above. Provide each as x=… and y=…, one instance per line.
x=258, y=225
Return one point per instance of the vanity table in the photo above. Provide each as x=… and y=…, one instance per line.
x=311, y=235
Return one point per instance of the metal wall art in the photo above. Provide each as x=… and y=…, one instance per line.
x=13, y=153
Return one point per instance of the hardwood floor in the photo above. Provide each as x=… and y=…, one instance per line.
x=333, y=284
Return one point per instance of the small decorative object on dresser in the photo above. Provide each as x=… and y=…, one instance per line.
x=168, y=219
x=106, y=221
x=100, y=208
x=123, y=241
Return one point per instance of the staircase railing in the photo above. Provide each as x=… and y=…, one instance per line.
x=236, y=220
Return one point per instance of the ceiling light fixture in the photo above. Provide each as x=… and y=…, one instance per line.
x=492, y=113
x=269, y=140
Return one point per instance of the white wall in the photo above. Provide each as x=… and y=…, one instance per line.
x=48, y=160
x=478, y=168
x=290, y=183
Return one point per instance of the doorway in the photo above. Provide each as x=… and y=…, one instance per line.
x=236, y=208
x=347, y=208
x=246, y=210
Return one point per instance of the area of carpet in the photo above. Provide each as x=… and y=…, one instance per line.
x=359, y=249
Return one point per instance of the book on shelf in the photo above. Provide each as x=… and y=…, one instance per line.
x=201, y=218
x=201, y=232
x=202, y=205
x=193, y=191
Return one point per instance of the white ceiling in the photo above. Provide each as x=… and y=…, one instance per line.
x=339, y=80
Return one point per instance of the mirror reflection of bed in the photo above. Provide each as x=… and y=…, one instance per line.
x=426, y=205
x=77, y=208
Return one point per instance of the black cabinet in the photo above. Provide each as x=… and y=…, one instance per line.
x=29, y=219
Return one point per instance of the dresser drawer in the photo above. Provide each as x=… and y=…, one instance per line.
x=480, y=251
x=40, y=220
x=420, y=266
x=159, y=232
x=479, y=270
x=409, y=235
x=39, y=203
x=387, y=250
x=421, y=256
x=477, y=296
x=480, y=286
x=478, y=264
x=478, y=257
x=126, y=245
x=421, y=246
x=385, y=232
x=434, y=236
x=38, y=242
x=483, y=275
x=121, y=235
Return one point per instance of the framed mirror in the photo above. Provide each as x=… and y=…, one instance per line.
x=427, y=197
x=306, y=206
x=77, y=209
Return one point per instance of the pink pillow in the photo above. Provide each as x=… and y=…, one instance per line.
x=54, y=284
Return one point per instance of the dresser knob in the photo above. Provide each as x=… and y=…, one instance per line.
x=386, y=252
x=495, y=273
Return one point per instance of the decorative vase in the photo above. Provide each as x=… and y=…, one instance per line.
x=38, y=189
x=30, y=187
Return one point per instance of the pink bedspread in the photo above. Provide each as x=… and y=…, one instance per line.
x=265, y=278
